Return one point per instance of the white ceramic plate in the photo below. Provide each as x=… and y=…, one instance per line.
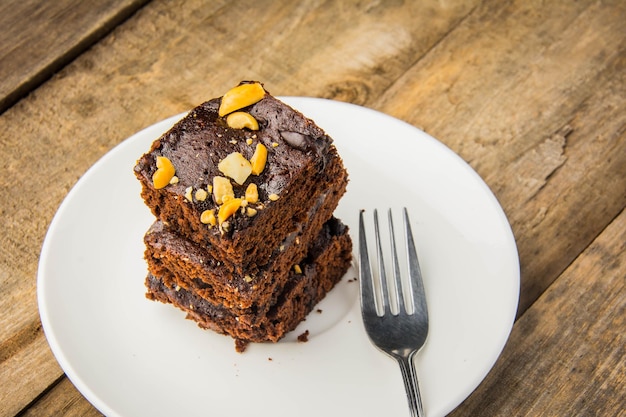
x=132, y=357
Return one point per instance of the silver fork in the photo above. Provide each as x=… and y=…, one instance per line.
x=399, y=332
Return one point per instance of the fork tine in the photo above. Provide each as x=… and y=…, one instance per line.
x=382, y=274
x=399, y=292
x=418, y=295
x=368, y=304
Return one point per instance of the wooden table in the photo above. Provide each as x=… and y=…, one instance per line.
x=532, y=94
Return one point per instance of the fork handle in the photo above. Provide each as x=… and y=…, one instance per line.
x=411, y=385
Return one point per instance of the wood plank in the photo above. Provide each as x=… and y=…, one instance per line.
x=31, y=365
x=169, y=57
x=567, y=353
x=532, y=95
x=55, y=33
x=62, y=400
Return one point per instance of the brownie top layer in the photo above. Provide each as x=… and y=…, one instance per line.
x=197, y=143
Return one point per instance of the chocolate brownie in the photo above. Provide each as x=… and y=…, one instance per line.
x=302, y=170
x=244, y=188
x=327, y=261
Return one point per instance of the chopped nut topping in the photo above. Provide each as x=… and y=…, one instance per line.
x=273, y=197
x=228, y=209
x=240, y=120
x=247, y=278
x=235, y=166
x=274, y=144
x=208, y=217
x=222, y=188
x=297, y=269
x=188, y=196
x=249, y=141
x=252, y=193
x=164, y=172
x=201, y=194
x=250, y=212
x=239, y=97
x=259, y=159
x=174, y=180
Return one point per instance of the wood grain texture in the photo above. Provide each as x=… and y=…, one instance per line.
x=531, y=94
x=56, y=32
x=62, y=399
x=27, y=369
x=567, y=353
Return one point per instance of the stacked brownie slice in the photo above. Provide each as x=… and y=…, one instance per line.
x=243, y=189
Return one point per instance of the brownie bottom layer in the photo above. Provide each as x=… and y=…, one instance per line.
x=323, y=267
